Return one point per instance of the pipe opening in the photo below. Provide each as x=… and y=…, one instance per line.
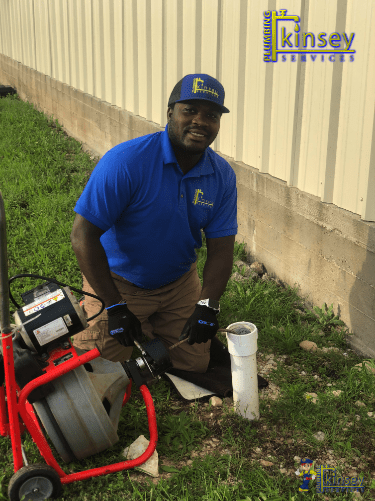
x=241, y=331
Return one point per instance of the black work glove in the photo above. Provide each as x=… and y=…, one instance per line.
x=201, y=326
x=123, y=325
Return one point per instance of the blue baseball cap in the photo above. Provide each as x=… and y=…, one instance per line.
x=199, y=86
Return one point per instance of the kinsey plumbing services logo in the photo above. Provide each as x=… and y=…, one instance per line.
x=281, y=37
x=327, y=480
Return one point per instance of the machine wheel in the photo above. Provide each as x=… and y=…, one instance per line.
x=36, y=482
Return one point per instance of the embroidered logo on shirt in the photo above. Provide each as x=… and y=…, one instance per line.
x=197, y=200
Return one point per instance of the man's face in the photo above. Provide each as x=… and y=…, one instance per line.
x=193, y=125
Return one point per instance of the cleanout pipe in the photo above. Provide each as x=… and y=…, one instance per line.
x=243, y=348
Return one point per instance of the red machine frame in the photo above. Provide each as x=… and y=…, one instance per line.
x=17, y=407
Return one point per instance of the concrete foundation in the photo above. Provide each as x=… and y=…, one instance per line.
x=327, y=251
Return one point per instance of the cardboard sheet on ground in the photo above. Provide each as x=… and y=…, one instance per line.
x=136, y=449
x=188, y=391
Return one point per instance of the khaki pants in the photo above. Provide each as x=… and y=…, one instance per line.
x=162, y=312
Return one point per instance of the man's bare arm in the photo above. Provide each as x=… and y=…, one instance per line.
x=92, y=259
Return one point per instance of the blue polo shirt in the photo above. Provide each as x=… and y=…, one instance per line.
x=152, y=213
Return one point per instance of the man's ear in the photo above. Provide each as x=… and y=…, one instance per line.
x=169, y=113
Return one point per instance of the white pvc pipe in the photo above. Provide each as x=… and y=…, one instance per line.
x=243, y=349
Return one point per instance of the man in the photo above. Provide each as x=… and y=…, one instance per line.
x=138, y=223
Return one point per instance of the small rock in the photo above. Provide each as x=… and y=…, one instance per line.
x=320, y=436
x=311, y=396
x=228, y=400
x=329, y=384
x=289, y=441
x=265, y=463
x=216, y=402
x=189, y=462
x=336, y=393
x=258, y=450
x=308, y=346
x=283, y=471
x=258, y=268
x=357, y=417
x=360, y=404
x=297, y=458
x=370, y=414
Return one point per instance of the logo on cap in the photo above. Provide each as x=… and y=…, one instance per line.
x=197, y=88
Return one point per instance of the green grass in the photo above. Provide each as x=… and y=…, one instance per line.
x=42, y=175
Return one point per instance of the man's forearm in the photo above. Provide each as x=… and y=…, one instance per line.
x=93, y=263
x=216, y=273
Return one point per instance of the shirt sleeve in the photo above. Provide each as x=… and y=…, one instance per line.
x=224, y=222
x=108, y=191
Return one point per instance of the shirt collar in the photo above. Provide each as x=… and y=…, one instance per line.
x=204, y=166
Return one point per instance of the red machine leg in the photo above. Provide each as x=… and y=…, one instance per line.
x=11, y=390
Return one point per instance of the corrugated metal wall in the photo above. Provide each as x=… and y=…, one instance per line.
x=309, y=123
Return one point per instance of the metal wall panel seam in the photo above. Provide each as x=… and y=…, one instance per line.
x=118, y=54
x=163, y=97
x=52, y=21
x=7, y=30
x=219, y=21
x=354, y=137
x=171, y=49
x=198, y=37
x=230, y=61
x=66, y=49
x=106, y=54
x=142, y=58
x=333, y=130
x=33, y=23
x=50, y=39
x=369, y=210
x=75, y=55
x=189, y=43
x=241, y=81
x=135, y=58
x=149, y=61
x=112, y=79
x=254, y=86
x=12, y=32
x=364, y=199
x=156, y=54
x=298, y=105
x=84, y=75
x=26, y=28
x=209, y=36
